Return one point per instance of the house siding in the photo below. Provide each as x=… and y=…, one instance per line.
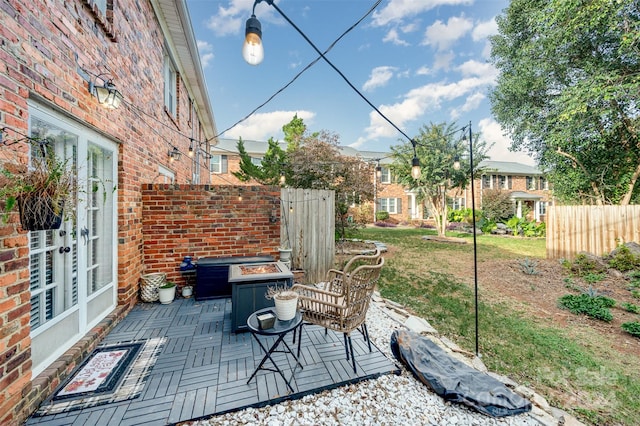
x=44, y=45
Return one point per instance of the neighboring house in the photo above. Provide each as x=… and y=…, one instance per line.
x=528, y=188
x=527, y=185
x=57, y=286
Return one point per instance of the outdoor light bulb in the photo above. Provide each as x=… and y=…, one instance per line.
x=456, y=164
x=282, y=179
x=415, y=168
x=252, y=50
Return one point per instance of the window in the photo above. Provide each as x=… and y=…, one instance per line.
x=165, y=175
x=170, y=86
x=486, y=182
x=390, y=205
x=505, y=181
x=385, y=175
x=544, y=184
x=542, y=207
x=219, y=164
x=458, y=203
x=531, y=183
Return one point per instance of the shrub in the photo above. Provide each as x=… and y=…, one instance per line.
x=593, y=306
x=630, y=307
x=386, y=224
x=497, y=204
x=623, y=260
x=462, y=215
x=487, y=225
x=382, y=215
x=632, y=328
x=528, y=266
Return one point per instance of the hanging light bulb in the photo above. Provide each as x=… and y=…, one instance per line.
x=252, y=50
x=283, y=178
x=415, y=168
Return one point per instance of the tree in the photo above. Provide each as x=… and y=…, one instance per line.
x=437, y=148
x=317, y=164
x=268, y=172
x=568, y=92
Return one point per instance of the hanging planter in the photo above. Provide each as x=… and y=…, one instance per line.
x=41, y=190
x=38, y=213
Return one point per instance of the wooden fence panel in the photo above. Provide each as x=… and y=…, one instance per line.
x=593, y=229
x=308, y=223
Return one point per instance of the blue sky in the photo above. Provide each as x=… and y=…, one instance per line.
x=417, y=61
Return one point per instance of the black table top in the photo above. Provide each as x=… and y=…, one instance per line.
x=278, y=328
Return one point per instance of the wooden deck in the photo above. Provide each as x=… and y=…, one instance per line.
x=202, y=369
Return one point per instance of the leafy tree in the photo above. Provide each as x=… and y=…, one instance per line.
x=437, y=148
x=567, y=92
x=318, y=164
x=268, y=172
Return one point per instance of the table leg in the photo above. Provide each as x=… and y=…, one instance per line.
x=268, y=353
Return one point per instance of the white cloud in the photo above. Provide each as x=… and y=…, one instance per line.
x=493, y=134
x=442, y=61
x=484, y=29
x=262, y=126
x=478, y=69
x=442, y=35
x=472, y=102
x=417, y=102
x=379, y=77
x=206, y=53
x=393, y=37
x=231, y=19
x=398, y=10
x=423, y=71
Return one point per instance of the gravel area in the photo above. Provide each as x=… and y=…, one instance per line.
x=388, y=400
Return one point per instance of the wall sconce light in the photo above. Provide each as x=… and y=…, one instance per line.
x=174, y=154
x=107, y=94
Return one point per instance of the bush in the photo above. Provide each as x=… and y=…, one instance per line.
x=594, y=306
x=623, y=260
x=632, y=328
x=385, y=224
x=497, y=204
x=382, y=215
x=462, y=215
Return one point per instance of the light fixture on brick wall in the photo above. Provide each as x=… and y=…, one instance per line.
x=174, y=154
x=107, y=94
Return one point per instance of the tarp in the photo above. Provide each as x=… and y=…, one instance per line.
x=454, y=380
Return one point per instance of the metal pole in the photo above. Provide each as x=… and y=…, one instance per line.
x=475, y=244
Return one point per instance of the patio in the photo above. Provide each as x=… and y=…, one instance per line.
x=202, y=368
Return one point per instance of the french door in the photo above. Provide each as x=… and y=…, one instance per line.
x=73, y=273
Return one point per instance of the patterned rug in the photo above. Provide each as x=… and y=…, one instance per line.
x=112, y=373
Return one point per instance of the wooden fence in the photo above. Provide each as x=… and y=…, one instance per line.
x=308, y=224
x=593, y=229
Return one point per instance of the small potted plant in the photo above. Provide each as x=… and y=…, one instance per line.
x=285, y=300
x=43, y=191
x=167, y=292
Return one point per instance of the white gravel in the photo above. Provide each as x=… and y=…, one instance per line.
x=388, y=400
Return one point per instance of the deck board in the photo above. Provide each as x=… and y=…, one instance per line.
x=203, y=368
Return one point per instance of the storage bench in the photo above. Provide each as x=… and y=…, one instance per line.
x=212, y=274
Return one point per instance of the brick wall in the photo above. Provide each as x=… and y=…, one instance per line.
x=207, y=221
x=42, y=46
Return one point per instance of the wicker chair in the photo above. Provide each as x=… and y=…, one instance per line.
x=344, y=310
x=334, y=277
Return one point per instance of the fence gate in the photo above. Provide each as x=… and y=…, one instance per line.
x=308, y=225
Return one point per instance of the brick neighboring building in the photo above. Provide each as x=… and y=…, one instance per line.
x=527, y=185
x=56, y=305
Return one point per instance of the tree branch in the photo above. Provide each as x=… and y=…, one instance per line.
x=594, y=187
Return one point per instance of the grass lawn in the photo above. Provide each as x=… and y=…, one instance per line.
x=576, y=371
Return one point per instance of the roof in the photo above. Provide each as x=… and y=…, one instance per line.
x=521, y=195
x=259, y=148
x=509, y=167
x=176, y=25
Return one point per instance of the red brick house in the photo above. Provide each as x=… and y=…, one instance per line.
x=528, y=188
x=58, y=287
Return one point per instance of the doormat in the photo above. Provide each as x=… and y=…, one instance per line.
x=112, y=373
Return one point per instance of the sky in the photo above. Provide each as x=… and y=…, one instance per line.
x=417, y=61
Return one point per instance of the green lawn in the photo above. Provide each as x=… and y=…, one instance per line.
x=533, y=353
